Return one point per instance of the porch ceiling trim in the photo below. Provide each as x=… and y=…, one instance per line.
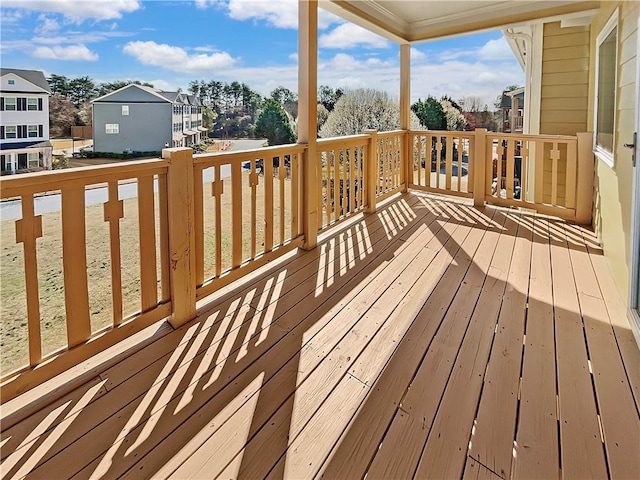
x=374, y=16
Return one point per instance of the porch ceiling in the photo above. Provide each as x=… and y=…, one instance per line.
x=418, y=20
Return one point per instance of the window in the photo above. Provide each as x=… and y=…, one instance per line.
x=32, y=131
x=11, y=82
x=606, y=53
x=32, y=104
x=125, y=109
x=33, y=159
x=10, y=103
x=10, y=131
x=112, y=128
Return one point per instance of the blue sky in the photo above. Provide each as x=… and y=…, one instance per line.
x=170, y=43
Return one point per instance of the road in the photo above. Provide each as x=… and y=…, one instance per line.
x=12, y=210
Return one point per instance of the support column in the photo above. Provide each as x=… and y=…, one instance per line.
x=480, y=163
x=585, y=181
x=181, y=211
x=308, y=115
x=405, y=111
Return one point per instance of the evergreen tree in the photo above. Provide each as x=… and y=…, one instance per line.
x=273, y=124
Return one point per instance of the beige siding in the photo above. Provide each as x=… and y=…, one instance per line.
x=612, y=216
x=565, y=80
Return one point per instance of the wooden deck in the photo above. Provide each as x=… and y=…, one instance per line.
x=430, y=340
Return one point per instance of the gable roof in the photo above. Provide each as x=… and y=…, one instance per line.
x=144, y=88
x=35, y=77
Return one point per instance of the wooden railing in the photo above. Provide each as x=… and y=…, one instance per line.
x=111, y=260
x=539, y=172
x=247, y=211
x=343, y=172
x=390, y=155
x=442, y=162
x=194, y=224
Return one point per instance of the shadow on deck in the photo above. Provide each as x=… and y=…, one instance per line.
x=428, y=340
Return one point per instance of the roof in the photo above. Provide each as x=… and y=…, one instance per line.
x=32, y=76
x=21, y=145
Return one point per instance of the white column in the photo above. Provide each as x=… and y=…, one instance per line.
x=405, y=86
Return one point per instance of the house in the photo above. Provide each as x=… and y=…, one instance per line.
x=416, y=326
x=24, y=135
x=143, y=119
x=513, y=107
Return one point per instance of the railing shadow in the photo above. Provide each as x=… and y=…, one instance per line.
x=218, y=395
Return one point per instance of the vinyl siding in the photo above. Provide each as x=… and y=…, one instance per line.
x=612, y=215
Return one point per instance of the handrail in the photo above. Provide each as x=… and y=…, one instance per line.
x=224, y=158
x=46, y=181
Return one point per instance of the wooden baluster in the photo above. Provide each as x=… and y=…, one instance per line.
x=336, y=184
x=28, y=230
x=459, y=149
x=343, y=183
x=488, y=165
x=555, y=157
x=352, y=184
x=421, y=170
x=524, y=169
x=253, y=184
x=198, y=205
x=449, y=161
x=571, y=174
x=471, y=163
x=328, y=182
x=236, y=216
x=217, y=189
x=295, y=210
x=268, y=209
x=74, y=261
x=510, y=159
x=165, y=273
x=322, y=194
x=539, y=185
x=501, y=179
x=113, y=212
x=147, y=231
x=282, y=173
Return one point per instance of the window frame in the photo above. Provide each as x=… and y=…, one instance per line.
x=111, y=128
x=35, y=105
x=15, y=104
x=29, y=127
x=611, y=25
x=125, y=110
x=11, y=81
x=30, y=160
x=6, y=131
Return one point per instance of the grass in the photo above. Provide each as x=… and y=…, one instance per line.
x=13, y=309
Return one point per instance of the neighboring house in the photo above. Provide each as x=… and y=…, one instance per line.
x=512, y=106
x=582, y=76
x=24, y=130
x=143, y=119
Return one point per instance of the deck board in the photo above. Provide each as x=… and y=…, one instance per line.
x=423, y=340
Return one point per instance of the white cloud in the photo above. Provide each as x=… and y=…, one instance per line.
x=10, y=16
x=417, y=54
x=277, y=13
x=48, y=25
x=495, y=50
x=71, y=52
x=78, y=37
x=78, y=10
x=348, y=35
x=161, y=84
x=177, y=58
x=294, y=57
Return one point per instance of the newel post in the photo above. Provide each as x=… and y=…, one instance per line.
x=479, y=167
x=584, y=184
x=371, y=170
x=181, y=211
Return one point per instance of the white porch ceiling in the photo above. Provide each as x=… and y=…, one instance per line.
x=405, y=21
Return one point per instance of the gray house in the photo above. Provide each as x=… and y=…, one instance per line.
x=142, y=119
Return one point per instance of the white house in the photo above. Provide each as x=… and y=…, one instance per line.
x=24, y=130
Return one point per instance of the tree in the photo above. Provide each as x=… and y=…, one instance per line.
x=323, y=114
x=108, y=87
x=273, y=124
x=430, y=113
x=288, y=100
x=455, y=118
x=363, y=109
x=59, y=84
x=328, y=97
x=81, y=90
x=471, y=104
x=62, y=115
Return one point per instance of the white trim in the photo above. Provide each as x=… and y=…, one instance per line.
x=634, y=288
x=612, y=23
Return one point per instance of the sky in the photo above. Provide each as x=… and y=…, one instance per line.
x=170, y=43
